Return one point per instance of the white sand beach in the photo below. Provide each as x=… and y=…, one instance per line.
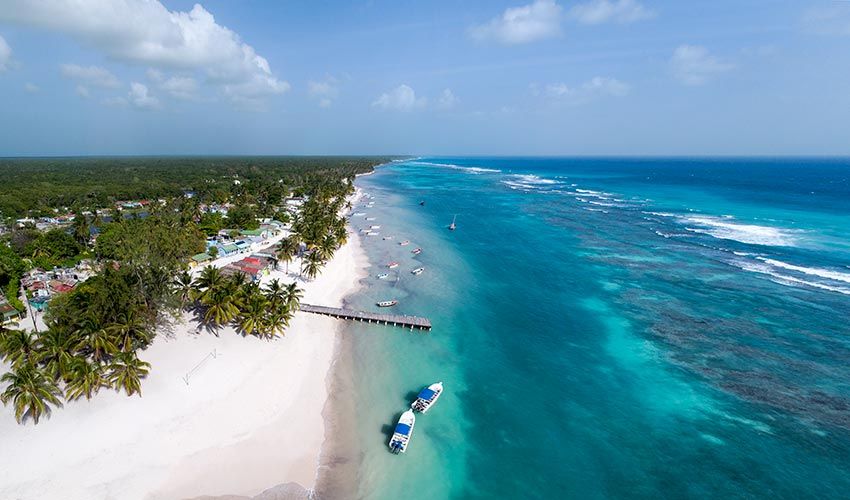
x=219, y=414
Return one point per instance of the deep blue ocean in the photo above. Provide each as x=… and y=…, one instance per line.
x=609, y=328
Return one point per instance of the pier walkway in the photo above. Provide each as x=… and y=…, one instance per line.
x=412, y=322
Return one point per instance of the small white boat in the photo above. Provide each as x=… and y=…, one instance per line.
x=359, y=214
x=404, y=243
x=388, y=237
x=372, y=233
x=392, y=265
x=418, y=271
x=370, y=218
x=453, y=226
x=386, y=303
x=427, y=397
x=403, y=431
x=374, y=227
x=383, y=276
x=416, y=251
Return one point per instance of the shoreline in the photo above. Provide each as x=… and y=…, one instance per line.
x=252, y=415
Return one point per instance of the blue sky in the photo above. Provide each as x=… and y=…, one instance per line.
x=544, y=77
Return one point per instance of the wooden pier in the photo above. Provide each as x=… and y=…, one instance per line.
x=412, y=322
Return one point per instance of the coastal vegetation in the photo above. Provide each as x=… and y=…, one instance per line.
x=96, y=333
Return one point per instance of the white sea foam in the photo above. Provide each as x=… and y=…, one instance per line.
x=661, y=214
x=784, y=279
x=811, y=271
x=533, y=179
x=721, y=227
x=471, y=170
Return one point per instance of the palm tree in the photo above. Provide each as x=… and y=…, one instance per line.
x=183, y=288
x=221, y=307
x=96, y=339
x=210, y=280
x=31, y=392
x=312, y=265
x=326, y=247
x=276, y=323
x=17, y=346
x=127, y=372
x=287, y=249
x=276, y=294
x=128, y=331
x=86, y=378
x=252, y=318
x=293, y=297
x=56, y=352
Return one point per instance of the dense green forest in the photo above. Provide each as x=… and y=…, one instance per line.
x=34, y=186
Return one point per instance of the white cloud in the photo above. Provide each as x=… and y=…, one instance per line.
x=325, y=91
x=693, y=65
x=832, y=20
x=5, y=55
x=603, y=11
x=83, y=91
x=147, y=33
x=181, y=87
x=558, y=90
x=447, y=99
x=401, y=98
x=607, y=86
x=529, y=23
x=141, y=98
x=90, y=75
x=31, y=87
x=596, y=87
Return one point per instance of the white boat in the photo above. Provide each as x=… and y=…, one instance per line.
x=383, y=276
x=416, y=251
x=392, y=265
x=374, y=227
x=387, y=303
x=372, y=233
x=370, y=218
x=453, y=226
x=404, y=243
x=427, y=397
x=359, y=214
x=418, y=271
x=388, y=237
x=402, y=433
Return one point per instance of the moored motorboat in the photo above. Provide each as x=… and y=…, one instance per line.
x=416, y=251
x=374, y=227
x=370, y=218
x=392, y=265
x=418, y=270
x=388, y=237
x=405, y=243
x=403, y=431
x=427, y=397
x=452, y=226
x=383, y=276
x=387, y=303
x=359, y=214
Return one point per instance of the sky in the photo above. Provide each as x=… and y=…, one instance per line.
x=521, y=77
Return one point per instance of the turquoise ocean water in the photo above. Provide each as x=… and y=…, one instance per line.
x=609, y=328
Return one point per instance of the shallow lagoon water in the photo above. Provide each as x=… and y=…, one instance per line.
x=609, y=328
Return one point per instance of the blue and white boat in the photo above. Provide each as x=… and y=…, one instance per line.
x=427, y=397
x=402, y=433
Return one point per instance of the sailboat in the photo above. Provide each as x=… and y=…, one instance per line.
x=453, y=226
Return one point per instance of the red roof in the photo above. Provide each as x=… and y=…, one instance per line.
x=62, y=288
